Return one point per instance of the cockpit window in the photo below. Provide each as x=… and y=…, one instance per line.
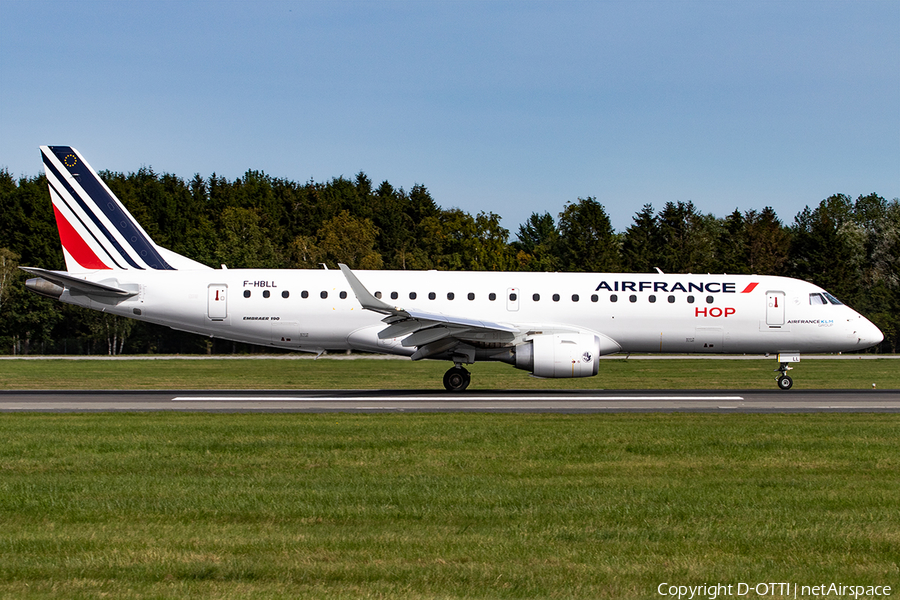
x=823, y=298
x=832, y=299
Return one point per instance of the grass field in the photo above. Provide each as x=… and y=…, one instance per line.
x=171, y=505
x=442, y=506
x=618, y=373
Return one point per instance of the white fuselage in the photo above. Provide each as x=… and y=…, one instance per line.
x=314, y=310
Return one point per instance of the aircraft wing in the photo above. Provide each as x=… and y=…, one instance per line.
x=430, y=333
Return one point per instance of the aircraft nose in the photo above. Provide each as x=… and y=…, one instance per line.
x=867, y=333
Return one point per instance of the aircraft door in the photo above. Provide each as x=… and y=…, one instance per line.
x=775, y=309
x=217, y=306
x=512, y=299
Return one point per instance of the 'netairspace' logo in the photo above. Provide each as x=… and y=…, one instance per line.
x=772, y=590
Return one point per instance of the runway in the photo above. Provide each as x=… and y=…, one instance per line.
x=380, y=401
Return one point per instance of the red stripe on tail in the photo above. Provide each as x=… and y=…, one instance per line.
x=75, y=246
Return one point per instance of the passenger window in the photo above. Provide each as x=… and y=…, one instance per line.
x=671, y=299
x=815, y=299
x=492, y=296
x=651, y=298
x=450, y=295
x=323, y=295
x=343, y=295
x=613, y=298
x=266, y=293
x=246, y=293
x=412, y=295
x=556, y=297
x=536, y=297
x=432, y=295
x=594, y=297
x=632, y=298
x=471, y=296
x=690, y=299
x=378, y=295
x=575, y=298
x=304, y=294
x=513, y=297
x=394, y=295
x=710, y=299
x=285, y=294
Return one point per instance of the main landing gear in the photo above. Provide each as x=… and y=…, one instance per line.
x=457, y=379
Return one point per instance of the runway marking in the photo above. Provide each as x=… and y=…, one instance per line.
x=399, y=401
x=461, y=400
x=837, y=407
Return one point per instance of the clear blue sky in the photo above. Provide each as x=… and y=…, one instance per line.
x=509, y=107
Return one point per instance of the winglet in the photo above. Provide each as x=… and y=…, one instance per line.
x=366, y=299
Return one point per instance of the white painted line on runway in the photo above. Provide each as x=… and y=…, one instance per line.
x=460, y=400
x=243, y=399
x=852, y=406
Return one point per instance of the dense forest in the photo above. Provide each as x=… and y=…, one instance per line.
x=849, y=247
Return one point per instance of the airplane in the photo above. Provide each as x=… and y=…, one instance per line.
x=553, y=325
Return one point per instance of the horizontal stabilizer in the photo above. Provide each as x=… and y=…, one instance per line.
x=78, y=284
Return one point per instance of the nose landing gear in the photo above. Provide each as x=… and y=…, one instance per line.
x=784, y=359
x=784, y=381
x=457, y=379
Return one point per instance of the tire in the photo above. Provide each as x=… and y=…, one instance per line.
x=785, y=382
x=456, y=379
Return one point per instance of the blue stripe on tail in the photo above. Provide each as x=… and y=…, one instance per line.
x=110, y=208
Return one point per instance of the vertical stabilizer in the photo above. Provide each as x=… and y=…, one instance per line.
x=96, y=231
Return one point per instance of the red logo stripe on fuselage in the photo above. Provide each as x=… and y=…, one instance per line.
x=750, y=288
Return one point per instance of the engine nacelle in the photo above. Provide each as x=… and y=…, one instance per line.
x=560, y=355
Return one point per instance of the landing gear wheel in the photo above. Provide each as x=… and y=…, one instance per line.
x=785, y=382
x=456, y=379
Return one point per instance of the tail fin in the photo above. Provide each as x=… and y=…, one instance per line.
x=96, y=231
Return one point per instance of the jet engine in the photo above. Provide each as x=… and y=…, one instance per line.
x=562, y=355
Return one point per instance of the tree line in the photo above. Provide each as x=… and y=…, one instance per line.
x=849, y=247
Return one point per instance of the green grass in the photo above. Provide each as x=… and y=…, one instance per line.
x=442, y=506
x=326, y=373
